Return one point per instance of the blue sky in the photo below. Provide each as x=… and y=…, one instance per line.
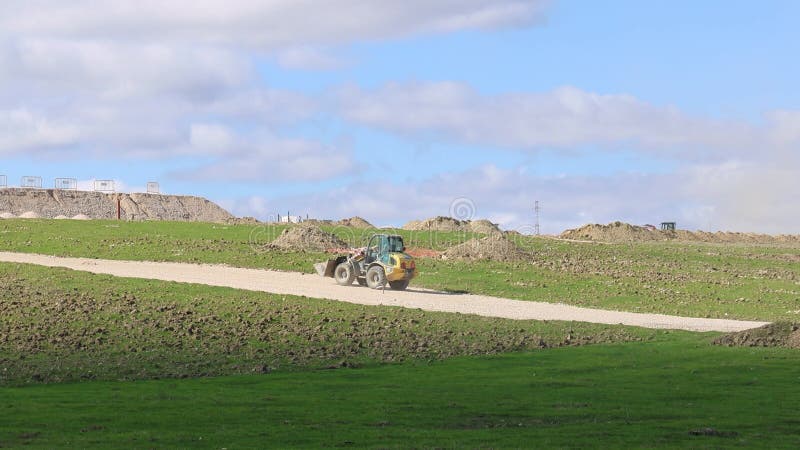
x=602, y=111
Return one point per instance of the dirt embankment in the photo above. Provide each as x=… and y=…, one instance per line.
x=624, y=232
x=355, y=222
x=778, y=334
x=450, y=224
x=494, y=247
x=52, y=203
x=306, y=238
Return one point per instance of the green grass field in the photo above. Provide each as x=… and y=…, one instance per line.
x=93, y=361
x=705, y=280
x=643, y=395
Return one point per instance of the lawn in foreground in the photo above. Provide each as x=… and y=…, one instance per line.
x=654, y=394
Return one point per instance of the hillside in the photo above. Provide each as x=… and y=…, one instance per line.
x=55, y=203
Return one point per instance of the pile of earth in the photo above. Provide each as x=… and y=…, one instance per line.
x=355, y=222
x=50, y=203
x=450, y=224
x=494, y=247
x=778, y=334
x=616, y=232
x=624, y=232
x=730, y=237
x=306, y=238
x=247, y=220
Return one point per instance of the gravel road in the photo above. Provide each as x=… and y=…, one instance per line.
x=292, y=283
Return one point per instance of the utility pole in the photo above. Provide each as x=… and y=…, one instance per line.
x=536, y=210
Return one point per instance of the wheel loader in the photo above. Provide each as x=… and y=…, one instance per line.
x=383, y=261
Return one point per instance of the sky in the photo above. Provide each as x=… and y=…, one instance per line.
x=635, y=111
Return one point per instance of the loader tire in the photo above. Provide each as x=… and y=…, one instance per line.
x=376, y=277
x=399, y=285
x=344, y=274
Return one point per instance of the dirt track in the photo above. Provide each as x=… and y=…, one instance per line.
x=291, y=283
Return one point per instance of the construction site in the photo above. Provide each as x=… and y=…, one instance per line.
x=141, y=287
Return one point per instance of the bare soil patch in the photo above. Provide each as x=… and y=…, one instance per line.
x=423, y=253
x=778, y=334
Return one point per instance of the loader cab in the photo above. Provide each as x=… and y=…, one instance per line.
x=381, y=246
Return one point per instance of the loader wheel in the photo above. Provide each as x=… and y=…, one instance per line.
x=344, y=274
x=399, y=285
x=361, y=281
x=376, y=277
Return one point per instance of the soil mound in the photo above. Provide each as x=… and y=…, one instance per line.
x=450, y=224
x=624, y=232
x=494, y=247
x=355, y=222
x=60, y=217
x=247, y=220
x=483, y=226
x=81, y=217
x=778, y=334
x=7, y=215
x=29, y=215
x=318, y=222
x=306, y=238
x=616, y=232
x=436, y=224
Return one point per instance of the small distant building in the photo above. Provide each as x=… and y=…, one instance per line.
x=667, y=226
x=290, y=219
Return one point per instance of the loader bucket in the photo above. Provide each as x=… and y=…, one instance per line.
x=325, y=269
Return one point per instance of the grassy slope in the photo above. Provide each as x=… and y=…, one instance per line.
x=62, y=325
x=674, y=278
x=610, y=396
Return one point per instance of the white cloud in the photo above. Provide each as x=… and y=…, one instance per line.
x=269, y=159
x=121, y=70
x=308, y=58
x=564, y=118
x=262, y=105
x=211, y=138
x=151, y=79
x=746, y=196
x=22, y=130
x=729, y=196
x=260, y=24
